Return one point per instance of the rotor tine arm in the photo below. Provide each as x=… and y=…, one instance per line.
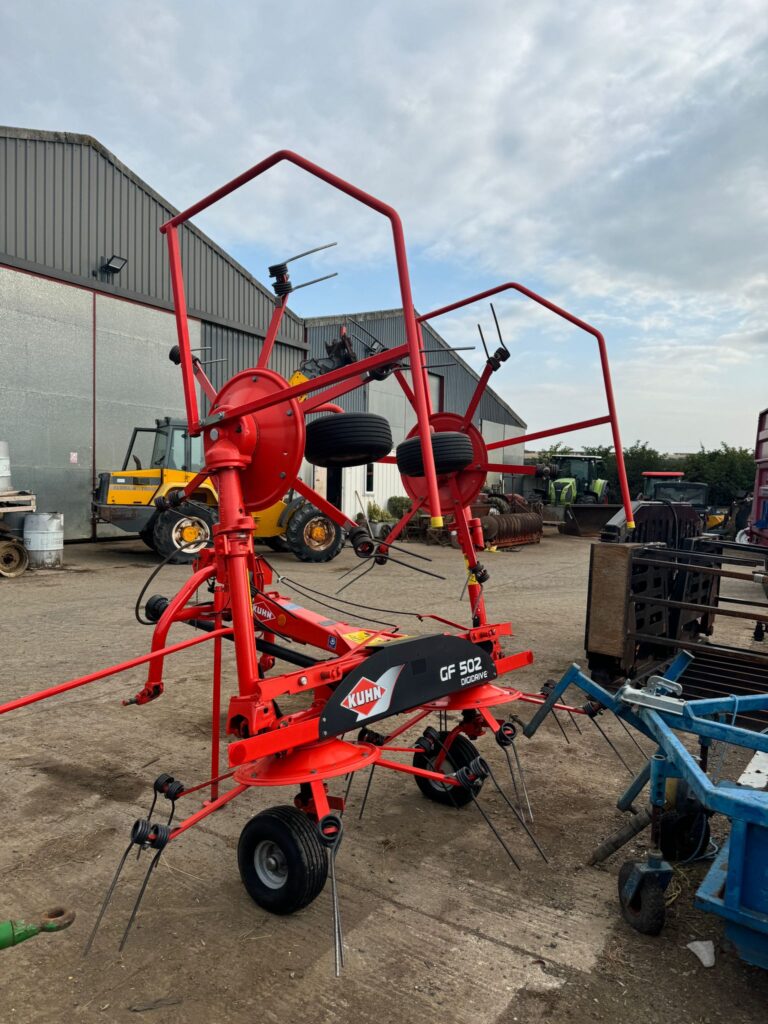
x=478, y=393
x=324, y=506
x=498, y=330
x=400, y=525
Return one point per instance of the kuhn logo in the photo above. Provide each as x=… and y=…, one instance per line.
x=262, y=612
x=372, y=696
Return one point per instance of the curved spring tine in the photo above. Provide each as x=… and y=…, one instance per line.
x=106, y=900
x=139, y=898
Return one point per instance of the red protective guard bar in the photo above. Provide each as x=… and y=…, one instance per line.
x=418, y=375
x=584, y=326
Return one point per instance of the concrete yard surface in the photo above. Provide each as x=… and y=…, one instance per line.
x=439, y=925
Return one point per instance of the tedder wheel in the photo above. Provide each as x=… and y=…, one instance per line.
x=13, y=558
x=347, y=439
x=646, y=910
x=460, y=753
x=452, y=450
x=179, y=534
x=312, y=536
x=282, y=862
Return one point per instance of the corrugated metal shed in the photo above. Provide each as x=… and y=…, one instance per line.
x=67, y=204
x=387, y=326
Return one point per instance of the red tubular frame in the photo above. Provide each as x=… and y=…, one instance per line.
x=236, y=574
x=412, y=334
x=123, y=666
x=584, y=326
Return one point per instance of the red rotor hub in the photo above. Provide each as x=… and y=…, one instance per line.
x=269, y=444
x=463, y=485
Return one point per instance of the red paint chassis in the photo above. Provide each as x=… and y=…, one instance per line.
x=254, y=442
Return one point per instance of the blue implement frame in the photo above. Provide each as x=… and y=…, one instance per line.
x=736, y=885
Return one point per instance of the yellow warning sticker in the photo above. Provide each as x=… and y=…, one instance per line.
x=357, y=638
x=362, y=635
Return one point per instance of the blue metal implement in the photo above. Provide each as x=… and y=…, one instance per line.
x=736, y=885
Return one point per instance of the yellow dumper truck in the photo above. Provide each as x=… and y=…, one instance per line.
x=162, y=457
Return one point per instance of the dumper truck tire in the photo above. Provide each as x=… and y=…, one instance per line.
x=452, y=451
x=278, y=543
x=180, y=534
x=347, y=439
x=147, y=534
x=312, y=536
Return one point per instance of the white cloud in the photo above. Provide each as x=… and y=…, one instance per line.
x=612, y=155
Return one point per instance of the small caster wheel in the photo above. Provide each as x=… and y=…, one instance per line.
x=283, y=863
x=646, y=911
x=460, y=753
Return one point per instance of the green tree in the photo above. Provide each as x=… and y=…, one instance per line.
x=730, y=472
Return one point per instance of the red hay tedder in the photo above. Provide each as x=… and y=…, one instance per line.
x=255, y=437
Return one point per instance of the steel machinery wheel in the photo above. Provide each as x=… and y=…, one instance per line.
x=282, y=862
x=13, y=558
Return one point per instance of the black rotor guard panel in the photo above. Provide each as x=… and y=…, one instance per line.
x=402, y=675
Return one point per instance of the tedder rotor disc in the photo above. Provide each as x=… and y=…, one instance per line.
x=280, y=436
x=484, y=696
x=324, y=759
x=465, y=483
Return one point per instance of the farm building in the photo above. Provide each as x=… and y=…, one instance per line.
x=86, y=325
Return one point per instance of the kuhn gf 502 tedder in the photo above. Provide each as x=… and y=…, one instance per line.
x=255, y=436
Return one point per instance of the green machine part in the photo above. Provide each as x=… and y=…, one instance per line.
x=562, y=491
x=14, y=932
x=599, y=487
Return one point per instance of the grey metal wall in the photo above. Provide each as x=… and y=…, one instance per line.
x=67, y=203
x=61, y=346
x=459, y=380
x=46, y=402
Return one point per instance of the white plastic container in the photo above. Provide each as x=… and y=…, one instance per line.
x=5, y=468
x=44, y=539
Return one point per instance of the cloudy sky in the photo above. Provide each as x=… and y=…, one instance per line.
x=611, y=156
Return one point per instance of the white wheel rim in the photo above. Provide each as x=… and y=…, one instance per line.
x=270, y=864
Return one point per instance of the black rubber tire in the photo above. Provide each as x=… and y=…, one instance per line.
x=278, y=543
x=347, y=439
x=297, y=534
x=166, y=526
x=501, y=505
x=684, y=836
x=460, y=753
x=452, y=450
x=647, y=911
x=294, y=837
x=147, y=534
